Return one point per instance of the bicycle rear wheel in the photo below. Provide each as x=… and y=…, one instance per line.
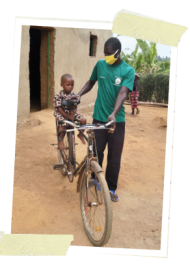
x=95, y=206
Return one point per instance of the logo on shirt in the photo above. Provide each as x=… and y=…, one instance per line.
x=117, y=81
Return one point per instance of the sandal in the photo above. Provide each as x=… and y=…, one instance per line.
x=138, y=111
x=114, y=197
x=131, y=114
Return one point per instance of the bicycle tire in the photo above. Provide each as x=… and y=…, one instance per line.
x=93, y=231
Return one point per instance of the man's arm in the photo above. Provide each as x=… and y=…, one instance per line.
x=118, y=103
x=89, y=84
x=136, y=76
x=87, y=87
x=128, y=80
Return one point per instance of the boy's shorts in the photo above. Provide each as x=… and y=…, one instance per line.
x=59, y=117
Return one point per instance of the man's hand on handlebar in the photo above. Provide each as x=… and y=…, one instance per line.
x=76, y=96
x=113, y=125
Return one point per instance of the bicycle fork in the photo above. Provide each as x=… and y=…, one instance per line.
x=90, y=156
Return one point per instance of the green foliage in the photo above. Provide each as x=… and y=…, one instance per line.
x=161, y=88
x=146, y=87
x=163, y=58
x=154, y=71
x=147, y=61
x=156, y=85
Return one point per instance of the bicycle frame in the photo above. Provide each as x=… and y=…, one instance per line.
x=88, y=139
x=91, y=182
x=90, y=154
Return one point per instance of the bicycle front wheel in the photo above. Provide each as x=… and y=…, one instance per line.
x=96, y=207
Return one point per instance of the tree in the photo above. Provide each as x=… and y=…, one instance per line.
x=163, y=58
x=147, y=61
x=165, y=67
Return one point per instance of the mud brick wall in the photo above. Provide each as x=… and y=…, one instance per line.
x=51, y=68
x=44, y=68
x=23, y=106
x=68, y=53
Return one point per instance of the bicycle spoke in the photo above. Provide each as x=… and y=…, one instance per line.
x=95, y=213
x=89, y=189
x=97, y=223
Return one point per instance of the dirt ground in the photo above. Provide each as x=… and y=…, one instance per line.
x=45, y=202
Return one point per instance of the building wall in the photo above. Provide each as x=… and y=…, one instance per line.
x=43, y=68
x=71, y=48
x=72, y=56
x=23, y=105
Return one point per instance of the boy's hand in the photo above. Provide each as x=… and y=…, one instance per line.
x=72, y=114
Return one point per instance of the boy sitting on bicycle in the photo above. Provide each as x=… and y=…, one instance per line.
x=62, y=112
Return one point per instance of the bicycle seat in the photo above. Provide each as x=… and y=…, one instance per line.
x=70, y=103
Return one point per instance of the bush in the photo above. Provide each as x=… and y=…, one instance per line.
x=161, y=89
x=154, y=84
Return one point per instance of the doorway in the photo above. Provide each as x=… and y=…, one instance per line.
x=41, y=67
x=34, y=70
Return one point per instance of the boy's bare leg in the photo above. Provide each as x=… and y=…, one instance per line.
x=82, y=122
x=60, y=143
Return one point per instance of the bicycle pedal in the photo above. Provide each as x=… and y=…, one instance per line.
x=57, y=166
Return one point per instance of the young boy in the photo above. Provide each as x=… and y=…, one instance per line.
x=63, y=112
x=134, y=96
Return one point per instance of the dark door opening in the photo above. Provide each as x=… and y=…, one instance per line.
x=34, y=70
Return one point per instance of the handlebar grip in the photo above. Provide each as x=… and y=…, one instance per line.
x=109, y=123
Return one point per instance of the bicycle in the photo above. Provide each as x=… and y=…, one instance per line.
x=95, y=202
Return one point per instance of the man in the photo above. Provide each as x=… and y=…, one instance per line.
x=115, y=78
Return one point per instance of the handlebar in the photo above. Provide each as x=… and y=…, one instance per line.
x=100, y=126
x=70, y=103
x=80, y=128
